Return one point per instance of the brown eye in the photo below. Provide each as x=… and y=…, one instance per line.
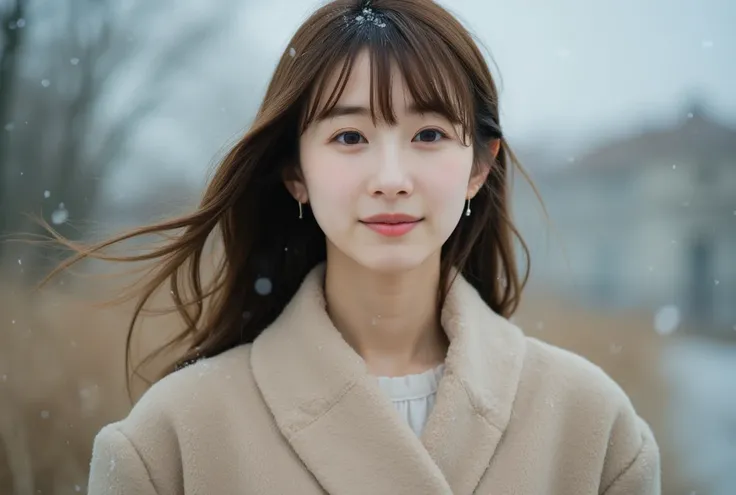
x=349, y=138
x=430, y=135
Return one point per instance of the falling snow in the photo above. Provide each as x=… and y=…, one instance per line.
x=45, y=414
x=667, y=320
x=47, y=194
x=263, y=286
x=9, y=126
x=45, y=83
x=292, y=52
x=60, y=215
x=74, y=61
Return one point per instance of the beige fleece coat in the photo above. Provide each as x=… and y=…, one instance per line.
x=297, y=413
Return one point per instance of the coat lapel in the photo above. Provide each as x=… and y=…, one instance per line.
x=346, y=431
x=476, y=395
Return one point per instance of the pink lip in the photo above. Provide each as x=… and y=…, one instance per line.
x=391, y=225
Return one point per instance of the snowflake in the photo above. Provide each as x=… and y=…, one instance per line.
x=60, y=215
x=667, y=320
x=263, y=286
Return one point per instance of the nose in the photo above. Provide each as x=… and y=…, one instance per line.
x=391, y=177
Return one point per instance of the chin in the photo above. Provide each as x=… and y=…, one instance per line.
x=391, y=262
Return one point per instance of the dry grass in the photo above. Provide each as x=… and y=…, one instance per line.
x=61, y=379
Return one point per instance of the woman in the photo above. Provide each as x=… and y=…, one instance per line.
x=355, y=339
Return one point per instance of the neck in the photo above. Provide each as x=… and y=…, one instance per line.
x=391, y=320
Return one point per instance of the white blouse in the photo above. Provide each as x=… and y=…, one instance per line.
x=413, y=396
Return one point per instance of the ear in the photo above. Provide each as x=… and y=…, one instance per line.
x=481, y=171
x=295, y=185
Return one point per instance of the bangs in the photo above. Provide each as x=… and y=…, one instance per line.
x=435, y=79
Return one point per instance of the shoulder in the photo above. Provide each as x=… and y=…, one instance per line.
x=190, y=407
x=195, y=394
x=571, y=375
x=558, y=375
x=200, y=383
x=195, y=390
x=145, y=449
x=570, y=379
x=587, y=402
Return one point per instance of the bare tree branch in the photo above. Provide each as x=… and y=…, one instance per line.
x=12, y=28
x=77, y=147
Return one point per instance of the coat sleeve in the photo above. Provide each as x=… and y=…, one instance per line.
x=642, y=476
x=117, y=468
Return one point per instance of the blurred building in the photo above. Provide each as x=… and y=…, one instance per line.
x=643, y=221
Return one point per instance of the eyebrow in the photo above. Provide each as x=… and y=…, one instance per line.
x=345, y=110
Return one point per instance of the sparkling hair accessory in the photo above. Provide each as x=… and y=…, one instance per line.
x=367, y=14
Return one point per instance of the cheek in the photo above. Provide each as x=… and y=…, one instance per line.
x=332, y=187
x=447, y=185
x=451, y=188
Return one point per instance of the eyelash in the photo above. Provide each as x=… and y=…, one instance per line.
x=441, y=134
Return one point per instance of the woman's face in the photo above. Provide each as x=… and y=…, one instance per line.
x=386, y=197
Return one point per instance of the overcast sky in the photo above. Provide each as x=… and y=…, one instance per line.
x=577, y=67
x=573, y=72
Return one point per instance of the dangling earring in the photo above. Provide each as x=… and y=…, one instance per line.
x=301, y=214
x=467, y=208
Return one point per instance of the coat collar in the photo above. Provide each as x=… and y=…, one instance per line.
x=346, y=431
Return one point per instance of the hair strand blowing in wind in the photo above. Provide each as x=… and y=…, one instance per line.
x=248, y=210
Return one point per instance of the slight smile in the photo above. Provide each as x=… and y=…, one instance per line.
x=391, y=224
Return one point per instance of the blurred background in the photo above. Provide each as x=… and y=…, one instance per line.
x=113, y=114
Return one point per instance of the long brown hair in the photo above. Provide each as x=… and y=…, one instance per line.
x=248, y=209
